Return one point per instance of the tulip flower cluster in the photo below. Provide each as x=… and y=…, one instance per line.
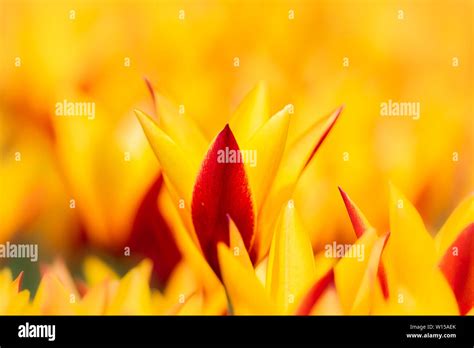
x=284, y=158
x=244, y=249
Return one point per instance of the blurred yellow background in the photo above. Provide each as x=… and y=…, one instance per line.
x=206, y=55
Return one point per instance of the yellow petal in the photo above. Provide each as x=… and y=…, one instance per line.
x=356, y=278
x=323, y=264
x=133, y=293
x=94, y=301
x=370, y=290
x=410, y=252
x=59, y=269
x=5, y=280
x=328, y=303
x=52, y=298
x=177, y=168
x=181, y=285
x=462, y=216
x=20, y=304
x=182, y=129
x=268, y=143
x=187, y=245
x=247, y=296
x=193, y=305
x=410, y=247
x=96, y=271
x=261, y=271
x=12, y=300
x=291, y=262
x=237, y=246
x=295, y=158
x=299, y=152
x=182, y=281
x=19, y=180
x=251, y=114
x=216, y=303
x=91, y=157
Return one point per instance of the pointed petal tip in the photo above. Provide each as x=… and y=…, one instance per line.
x=347, y=201
x=226, y=133
x=358, y=220
x=139, y=113
x=345, y=197
x=337, y=112
x=143, y=118
x=394, y=192
x=19, y=280
x=341, y=191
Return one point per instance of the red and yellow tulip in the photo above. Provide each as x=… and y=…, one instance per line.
x=203, y=236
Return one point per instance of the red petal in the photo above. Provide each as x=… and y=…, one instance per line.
x=152, y=237
x=356, y=219
x=459, y=268
x=313, y=295
x=221, y=189
x=360, y=225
